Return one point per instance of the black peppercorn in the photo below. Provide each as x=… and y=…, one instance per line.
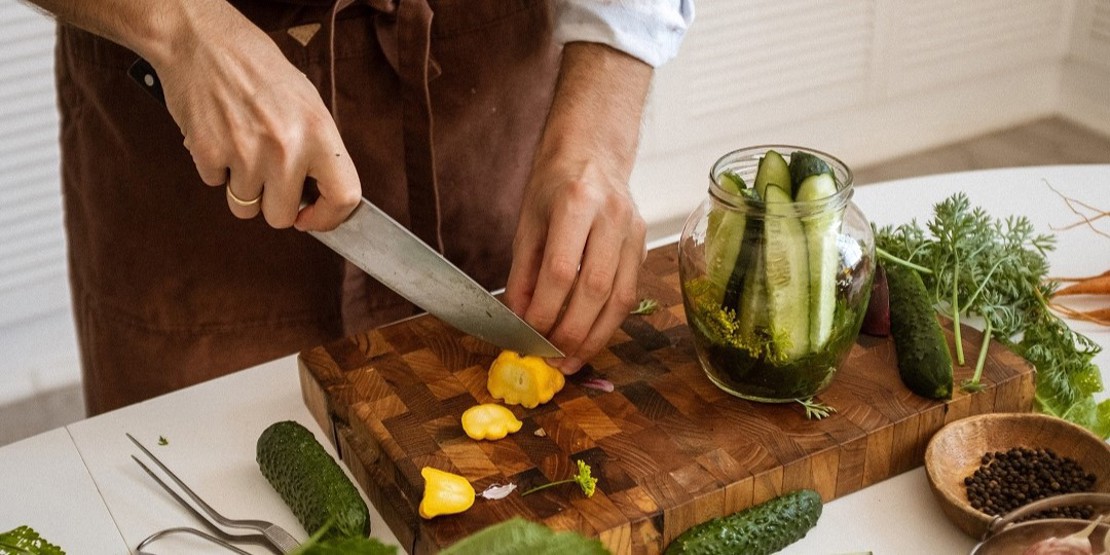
x=1007, y=480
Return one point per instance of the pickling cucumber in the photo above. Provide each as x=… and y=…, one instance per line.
x=745, y=263
x=760, y=530
x=802, y=166
x=724, y=235
x=753, y=301
x=821, y=231
x=786, y=274
x=924, y=362
x=772, y=169
x=310, y=481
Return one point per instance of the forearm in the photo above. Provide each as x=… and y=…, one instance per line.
x=597, y=108
x=158, y=31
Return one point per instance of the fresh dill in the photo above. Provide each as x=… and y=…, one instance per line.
x=646, y=306
x=816, y=410
x=584, y=478
x=996, y=269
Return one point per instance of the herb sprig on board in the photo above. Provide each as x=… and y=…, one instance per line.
x=996, y=270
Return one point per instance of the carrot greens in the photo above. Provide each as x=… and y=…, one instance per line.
x=996, y=270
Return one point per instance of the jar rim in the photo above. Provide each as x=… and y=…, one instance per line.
x=843, y=173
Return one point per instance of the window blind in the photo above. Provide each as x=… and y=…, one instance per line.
x=32, y=243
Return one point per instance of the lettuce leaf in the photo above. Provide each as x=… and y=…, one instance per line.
x=347, y=546
x=522, y=536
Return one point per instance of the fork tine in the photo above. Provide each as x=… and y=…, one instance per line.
x=276, y=538
x=207, y=508
x=247, y=538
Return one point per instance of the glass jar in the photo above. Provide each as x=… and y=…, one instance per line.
x=775, y=292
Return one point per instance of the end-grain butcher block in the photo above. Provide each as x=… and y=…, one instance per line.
x=668, y=448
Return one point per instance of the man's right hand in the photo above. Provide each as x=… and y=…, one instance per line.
x=252, y=121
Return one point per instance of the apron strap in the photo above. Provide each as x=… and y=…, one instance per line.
x=404, y=31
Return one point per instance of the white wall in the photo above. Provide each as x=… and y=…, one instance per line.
x=1086, y=70
x=38, y=352
x=863, y=79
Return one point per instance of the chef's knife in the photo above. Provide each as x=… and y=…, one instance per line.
x=391, y=254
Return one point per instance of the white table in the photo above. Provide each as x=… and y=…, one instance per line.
x=80, y=489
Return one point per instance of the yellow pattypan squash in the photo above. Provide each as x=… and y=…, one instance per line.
x=489, y=421
x=527, y=381
x=444, y=493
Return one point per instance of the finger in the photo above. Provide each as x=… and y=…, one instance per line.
x=282, y=197
x=612, y=315
x=562, y=256
x=213, y=176
x=339, y=187
x=527, y=258
x=211, y=167
x=592, y=289
x=244, y=193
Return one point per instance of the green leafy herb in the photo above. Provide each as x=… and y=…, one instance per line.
x=25, y=541
x=816, y=410
x=646, y=306
x=584, y=479
x=352, y=545
x=163, y=441
x=996, y=269
x=521, y=536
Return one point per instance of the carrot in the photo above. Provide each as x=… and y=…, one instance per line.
x=1084, y=278
x=1098, y=285
x=1099, y=316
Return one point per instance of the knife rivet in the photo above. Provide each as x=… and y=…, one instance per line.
x=149, y=80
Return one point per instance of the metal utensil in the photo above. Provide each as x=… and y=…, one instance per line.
x=139, y=550
x=1011, y=533
x=270, y=535
x=391, y=254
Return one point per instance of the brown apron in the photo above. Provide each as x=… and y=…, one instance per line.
x=169, y=289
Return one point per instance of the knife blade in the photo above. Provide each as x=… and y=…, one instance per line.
x=387, y=251
x=391, y=254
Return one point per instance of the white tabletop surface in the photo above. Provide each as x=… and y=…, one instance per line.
x=44, y=484
x=79, y=487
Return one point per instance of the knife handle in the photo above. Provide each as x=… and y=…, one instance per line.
x=144, y=75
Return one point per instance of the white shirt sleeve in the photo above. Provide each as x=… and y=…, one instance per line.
x=650, y=30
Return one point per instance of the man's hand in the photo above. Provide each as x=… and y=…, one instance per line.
x=251, y=120
x=255, y=124
x=580, y=240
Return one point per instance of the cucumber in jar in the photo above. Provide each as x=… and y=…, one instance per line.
x=724, y=235
x=814, y=181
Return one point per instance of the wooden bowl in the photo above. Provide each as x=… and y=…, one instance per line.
x=955, y=451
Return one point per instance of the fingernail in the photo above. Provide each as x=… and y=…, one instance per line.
x=570, y=365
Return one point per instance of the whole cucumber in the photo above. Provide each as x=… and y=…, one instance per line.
x=923, y=359
x=760, y=530
x=310, y=481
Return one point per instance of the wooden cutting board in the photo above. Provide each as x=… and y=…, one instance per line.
x=669, y=449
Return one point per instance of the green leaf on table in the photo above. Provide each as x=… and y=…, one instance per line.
x=347, y=546
x=25, y=541
x=521, y=536
x=339, y=545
